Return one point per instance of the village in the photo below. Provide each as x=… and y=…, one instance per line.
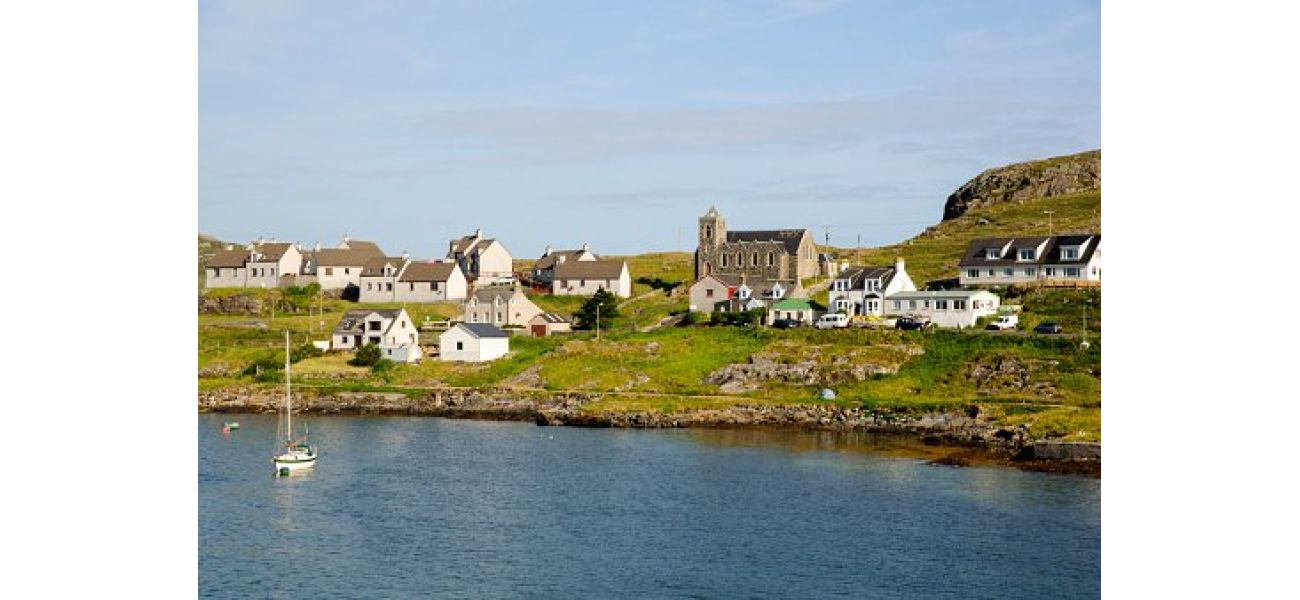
x=765, y=278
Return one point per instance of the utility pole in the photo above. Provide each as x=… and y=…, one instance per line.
x=857, y=251
x=828, y=234
x=597, y=321
x=1049, y=214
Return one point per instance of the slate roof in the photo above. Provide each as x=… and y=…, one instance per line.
x=229, y=258
x=974, y=256
x=938, y=294
x=374, y=267
x=856, y=275
x=271, y=251
x=427, y=271
x=353, y=321
x=550, y=260
x=551, y=318
x=341, y=257
x=788, y=238
x=363, y=246
x=589, y=269
x=484, y=330
x=761, y=287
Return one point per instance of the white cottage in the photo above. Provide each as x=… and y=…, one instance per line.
x=1058, y=259
x=585, y=278
x=473, y=342
x=484, y=261
x=862, y=290
x=431, y=282
x=956, y=308
x=390, y=329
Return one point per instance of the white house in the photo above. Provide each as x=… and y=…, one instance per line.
x=956, y=308
x=431, y=282
x=500, y=306
x=473, y=342
x=544, y=268
x=379, y=278
x=390, y=329
x=719, y=292
x=1058, y=259
x=260, y=264
x=340, y=267
x=584, y=278
x=862, y=290
x=802, y=310
x=483, y=261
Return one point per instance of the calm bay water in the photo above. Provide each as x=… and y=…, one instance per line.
x=408, y=506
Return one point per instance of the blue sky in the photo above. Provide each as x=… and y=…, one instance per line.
x=619, y=123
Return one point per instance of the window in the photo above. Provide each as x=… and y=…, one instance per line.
x=1051, y=272
x=373, y=325
x=411, y=288
x=898, y=304
x=367, y=285
x=329, y=270
x=433, y=285
x=959, y=305
x=724, y=260
x=1009, y=272
x=991, y=253
x=1026, y=254
x=582, y=283
x=460, y=345
x=501, y=317
x=1031, y=271
x=347, y=271
x=1094, y=270
x=1071, y=271
x=941, y=304
x=973, y=273
x=925, y=304
x=708, y=293
x=911, y=303
x=771, y=259
x=753, y=260
x=992, y=272
x=388, y=287
x=1070, y=253
x=740, y=259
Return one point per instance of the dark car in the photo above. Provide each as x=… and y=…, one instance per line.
x=785, y=323
x=910, y=324
x=1048, y=327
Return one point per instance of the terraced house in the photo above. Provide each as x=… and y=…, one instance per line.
x=863, y=290
x=776, y=255
x=1047, y=260
x=340, y=267
x=260, y=264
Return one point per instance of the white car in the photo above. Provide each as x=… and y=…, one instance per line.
x=832, y=321
x=1004, y=322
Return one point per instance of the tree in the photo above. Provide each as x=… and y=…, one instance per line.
x=367, y=355
x=608, y=305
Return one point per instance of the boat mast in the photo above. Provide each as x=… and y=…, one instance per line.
x=288, y=397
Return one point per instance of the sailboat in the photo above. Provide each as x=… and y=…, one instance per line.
x=297, y=454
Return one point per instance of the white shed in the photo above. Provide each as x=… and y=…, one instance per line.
x=473, y=342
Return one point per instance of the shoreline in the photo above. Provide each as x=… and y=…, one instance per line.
x=950, y=438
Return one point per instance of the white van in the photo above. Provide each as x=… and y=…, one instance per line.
x=832, y=321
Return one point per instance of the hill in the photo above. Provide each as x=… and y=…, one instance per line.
x=1001, y=202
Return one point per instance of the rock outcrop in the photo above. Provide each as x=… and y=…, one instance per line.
x=1023, y=181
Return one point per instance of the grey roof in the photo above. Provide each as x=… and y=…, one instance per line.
x=343, y=257
x=484, y=330
x=427, y=271
x=353, y=321
x=229, y=258
x=374, y=267
x=271, y=251
x=759, y=285
x=363, y=246
x=856, y=275
x=589, y=269
x=470, y=245
x=922, y=295
x=490, y=294
x=974, y=256
x=549, y=261
x=789, y=238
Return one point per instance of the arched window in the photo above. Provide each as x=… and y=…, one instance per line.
x=708, y=231
x=707, y=268
x=740, y=259
x=724, y=261
x=753, y=260
x=770, y=258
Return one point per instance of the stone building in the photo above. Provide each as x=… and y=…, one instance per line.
x=777, y=255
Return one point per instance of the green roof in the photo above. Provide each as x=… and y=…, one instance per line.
x=797, y=304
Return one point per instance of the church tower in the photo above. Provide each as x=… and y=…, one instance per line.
x=713, y=229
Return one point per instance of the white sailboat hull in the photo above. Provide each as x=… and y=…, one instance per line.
x=294, y=463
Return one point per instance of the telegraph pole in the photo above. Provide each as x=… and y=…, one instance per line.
x=597, y=321
x=1049, y=214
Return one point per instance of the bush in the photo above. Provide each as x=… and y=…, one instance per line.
x=367, y=356
x=691, y=318
x=736, y=319
x=304, y=351
x=608, y=303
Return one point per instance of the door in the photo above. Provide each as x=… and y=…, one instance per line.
x=539, y=331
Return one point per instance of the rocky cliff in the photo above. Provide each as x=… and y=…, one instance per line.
x=1023, y=181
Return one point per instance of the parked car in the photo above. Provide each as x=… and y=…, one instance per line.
x=911, y=323
x=785, y=323
x=832, y=321
x=1004, y=322
x=1048, y=327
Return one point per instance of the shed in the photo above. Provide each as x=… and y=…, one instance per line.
x=473, y=342
x=545, y=324
x=800, y=309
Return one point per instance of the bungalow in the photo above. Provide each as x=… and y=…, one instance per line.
x=390, y=329
x=544, y=269
x=957, y=308
x=259, y=264
x=862, y=290
x=483, y=261
x=586, y=277
x=547, y=323
x=431, y=282
x=379, y=278
x=473, y=342
x=340, y=267
x=802, y=310
x=1033, y=259
x=717, y=292
x=500, y=306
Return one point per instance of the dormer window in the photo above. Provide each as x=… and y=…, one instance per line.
x=992, y=253
x=1070, y=253
x=1027, y=254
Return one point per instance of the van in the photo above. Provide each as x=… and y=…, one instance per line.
x=832, y=321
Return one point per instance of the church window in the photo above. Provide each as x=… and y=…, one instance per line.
x=753, y=260
x=770, y=258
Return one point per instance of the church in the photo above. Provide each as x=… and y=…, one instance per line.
x=773, y=255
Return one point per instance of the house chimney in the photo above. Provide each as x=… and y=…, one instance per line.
x=546, y=252
x=317, y=249
x=559, y=259
x=584, y=247
x=405, y=255
x=898, y=264
x=478, y=234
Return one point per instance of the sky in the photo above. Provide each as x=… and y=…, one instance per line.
x=619, y=123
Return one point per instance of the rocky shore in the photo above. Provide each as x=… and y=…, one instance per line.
x=973, y=439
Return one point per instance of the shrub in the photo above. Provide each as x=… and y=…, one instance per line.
x=608, y=304
x=691, y=318
x=367, y=356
